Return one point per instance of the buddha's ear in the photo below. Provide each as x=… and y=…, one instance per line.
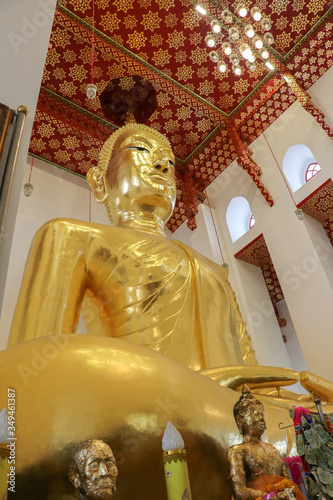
x=96, y=181
x=73, y=475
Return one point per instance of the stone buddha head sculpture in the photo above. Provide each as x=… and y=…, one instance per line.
x=93, y=470
x=249, y=415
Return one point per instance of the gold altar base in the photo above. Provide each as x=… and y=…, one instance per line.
x=70, y=388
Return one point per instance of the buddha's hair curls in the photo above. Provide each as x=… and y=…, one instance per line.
x=107, y=149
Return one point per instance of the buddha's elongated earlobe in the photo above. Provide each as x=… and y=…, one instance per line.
x=95, y=179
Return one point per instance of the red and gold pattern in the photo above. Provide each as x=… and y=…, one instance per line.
x=163, y=42
x=319, y=205
x=257, y=254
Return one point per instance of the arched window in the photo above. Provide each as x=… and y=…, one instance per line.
x=239, y=217
x=312, y=170
x=299, y=166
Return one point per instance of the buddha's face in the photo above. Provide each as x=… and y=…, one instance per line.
x=97, y=472
x=253, y=420
x=141, y=175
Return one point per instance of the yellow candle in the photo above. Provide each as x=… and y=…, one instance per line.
x=175, y=465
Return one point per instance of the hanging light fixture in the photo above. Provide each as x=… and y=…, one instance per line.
x=241, y=9
x=251, y=66
x=249, y=31
x=214, y=56
x=255, y=13
x=227, y=16
x=245, y=50
x=266, y=24
x=91, y=89
x=258, y=43
x=222, y=66
x=235, y=42
x=210, y=41
x=215, y=26
x=268, y=37
x=234, y=33
x=200, y=9
x=264, y=53
x=226, y=47
x=234, y=59
x=237, y=70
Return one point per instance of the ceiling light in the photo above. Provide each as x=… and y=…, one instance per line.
x=264, y=53
x=245, y=50
x=214, y=56
x=226, y=47
x=269, y=65
x=251, y=66
x=210, y=40
x=266, y=24
x=91, y=91
x=252, y=58
x=255, y=13
x=222, y=66
x=234, y=59
x=237, y=70
x=226, y=16
x=215, y=26
x=269, y=38
x=249, y=31
x=241, y=9
x=200, y=9
x=258, y=42
x=234, y=33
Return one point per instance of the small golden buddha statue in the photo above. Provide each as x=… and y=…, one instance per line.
x=93, y=470
x=254, y=463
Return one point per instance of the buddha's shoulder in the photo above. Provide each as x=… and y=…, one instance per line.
x=236, y=450
x=64, y=225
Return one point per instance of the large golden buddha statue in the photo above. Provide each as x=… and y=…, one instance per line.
x=131, y=282
x=179, y=315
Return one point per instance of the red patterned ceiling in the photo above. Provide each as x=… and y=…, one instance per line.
x=163, y=41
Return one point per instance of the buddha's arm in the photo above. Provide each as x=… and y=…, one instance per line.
x=53, y=284
x=238, y=477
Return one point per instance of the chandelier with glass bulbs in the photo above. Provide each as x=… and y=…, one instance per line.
x=235, y=40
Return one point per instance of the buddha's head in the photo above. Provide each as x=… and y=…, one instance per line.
x=249, y=414
x=93, y=470
x=135, y=173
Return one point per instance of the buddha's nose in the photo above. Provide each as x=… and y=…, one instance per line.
x=162, y=166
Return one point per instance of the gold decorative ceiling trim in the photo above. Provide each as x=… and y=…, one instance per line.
x=162, y=80
x=207, y=139
x=307, y=35
x=260, y=85
x=78, y=108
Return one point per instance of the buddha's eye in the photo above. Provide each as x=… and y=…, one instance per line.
x=139, y=148
x=172, y=163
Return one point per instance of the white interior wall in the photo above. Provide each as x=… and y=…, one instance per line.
x=274, y=223
x=56, y=193
x=24, y=34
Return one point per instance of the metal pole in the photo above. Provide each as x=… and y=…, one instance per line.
x=22, y=112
